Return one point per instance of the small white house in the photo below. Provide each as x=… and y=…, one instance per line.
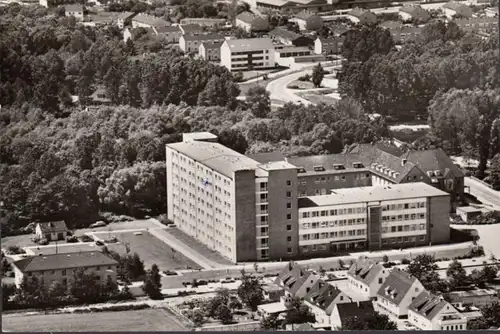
x=52, y=230
x=397, y=293
x=430, y=312
x=365, y=277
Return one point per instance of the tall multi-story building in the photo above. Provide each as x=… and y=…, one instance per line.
x=265, y=206
x=247, y=54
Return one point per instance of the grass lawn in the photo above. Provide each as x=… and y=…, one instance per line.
x=128, y=321
x=317, y=98
x=151, y=250
x=18, y=240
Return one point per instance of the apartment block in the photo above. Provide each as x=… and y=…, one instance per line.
x=265, y=206
x=373, y=217
x=247, y=54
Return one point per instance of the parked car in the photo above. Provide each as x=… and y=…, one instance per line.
x=99, y=243
x=137, y=233
x=202, y=282
x=100, y=223
x=227, y=280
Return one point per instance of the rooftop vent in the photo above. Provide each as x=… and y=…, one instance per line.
x=357, y=165
x=319, y=168
x=403, y=162
x=301, y=170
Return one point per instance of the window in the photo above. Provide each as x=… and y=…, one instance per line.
x=288, y=194
x=288, y=183
x=30, y=273
x=422, y=238
x=380, y=280
x=288, y=205
x=64, y=272
x=289, y=238
x=289, y=250
x=289, y=227
x=313, y=247
x=288, y=216
x=98, y=268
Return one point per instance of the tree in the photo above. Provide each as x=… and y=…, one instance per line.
x=385, y=258
x=250, y=292
x=152, y=283
x=424, y=268
x=224, y=314
x=317, y=75
x=299, y=313
x=375, y=321
x=269, y=323
x=490, y=318
x=197, y=317
x=82, y=287
x=362, y=43
x=221, y=297
x=233, y=139
x=259, y=101
x=8, y=291
x=457, y=274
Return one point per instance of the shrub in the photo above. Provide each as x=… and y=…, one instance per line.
x=492, y=217
x=86, y=238
x=405, y=261
x=385, y=258
x=306, y=77
x=15, y=250
x=71, y=239
x=293, y=87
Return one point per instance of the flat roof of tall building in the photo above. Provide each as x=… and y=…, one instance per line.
x=374, y=193
x=215, y=156
x=249, y=44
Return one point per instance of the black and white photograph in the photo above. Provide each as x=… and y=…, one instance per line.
x=250, y=165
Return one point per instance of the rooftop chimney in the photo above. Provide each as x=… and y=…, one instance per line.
x=403, y=162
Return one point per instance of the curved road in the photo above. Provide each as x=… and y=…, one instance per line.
x=483, y=193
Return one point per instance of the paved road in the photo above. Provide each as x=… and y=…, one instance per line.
x=279, y=91
x=488, y=237
x=484, y=194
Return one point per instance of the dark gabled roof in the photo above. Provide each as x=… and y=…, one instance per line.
x=211, y=45
x=208, y=37
x=304, y=15
x=454, y=5
x=266, y=157
x=358, y=12
x=428, y=305
x=396, y=286
x=248, y=17
x=53, y=227
x=150, y=20
x=166, y=29
x=322, y=295
x=191, y=27
x=358, y=310
x=413, y=10
x=292, y=277
x=64, y=261
x=431, y=160
x=284, y=33
x=365, y=270
x=391, y=25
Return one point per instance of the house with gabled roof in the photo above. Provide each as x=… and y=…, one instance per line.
x=249, y=22
x=342, y=312
x=397, y=293
x=148, y=21
x=296, y=281
x=287, y=37
x=362, y=16
x=455, y=9
x=321, y=300
x=307, y=20
x=191, y=29
x=413, y=13
x=60, y=267
x=328, y=46
x=431, y=312
x=191, y=43
x=365, y=277
x=52, y=230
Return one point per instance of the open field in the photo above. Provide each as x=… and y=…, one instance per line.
x=152, y=250
x=199, y=247
x=18, y=240
x=140, y=320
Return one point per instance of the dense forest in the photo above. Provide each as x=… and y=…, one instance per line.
x=445, y=77
x=59, y=160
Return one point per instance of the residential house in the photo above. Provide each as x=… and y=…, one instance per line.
x=148, y=21
x=59, y=267
x=272, y=309
x=100, y=97
x=287, y=37
x=308, y=21
x=272, y=292
x=203, y=22
x=247, y=54
x=124, y=19
x=431, y=312
x=252, y=22
x=478, y=24
x=362, y=16
x=191, y=43
x=398, y=292
x=328, y=46
x=491, y=12
x=55, y=3
x=191, y=29
x=401, y=33
x=134, y=33
x=456, y=10
x=52, y=230
x=171, y=34
x=321, y=300
x=100, y=19
x=77, y=11
x=476, y=297
x=342, y=312
x=296, y=281
x=414, y=13
x=210, y=51
x=391, y=25
x=365, y=277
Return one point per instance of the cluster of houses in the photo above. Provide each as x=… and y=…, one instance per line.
x=371, y=288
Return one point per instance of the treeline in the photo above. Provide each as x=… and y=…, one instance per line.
x=444, y=76
x=47, y=59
